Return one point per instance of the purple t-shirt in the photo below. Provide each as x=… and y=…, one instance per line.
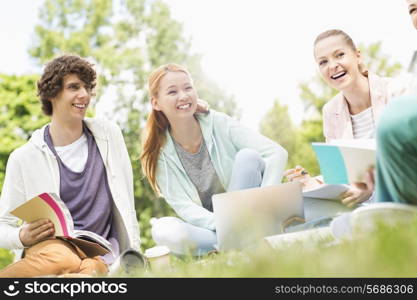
x=87, y=194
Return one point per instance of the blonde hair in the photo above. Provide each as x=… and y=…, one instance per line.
x=337, y=32
x=156, y=126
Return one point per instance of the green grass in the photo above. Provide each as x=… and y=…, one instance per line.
x=388, y=252
x=6, y=258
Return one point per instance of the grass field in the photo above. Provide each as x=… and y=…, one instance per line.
x=387, y=252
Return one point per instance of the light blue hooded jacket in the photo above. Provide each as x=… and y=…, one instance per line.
x=224, y=137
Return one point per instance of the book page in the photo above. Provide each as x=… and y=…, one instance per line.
x=44, y=206
x=344, y=164
x=50, y=206
x=326, y=191
x=91, y=236
x=356, y=143
x=357, y=161
x=91, y=249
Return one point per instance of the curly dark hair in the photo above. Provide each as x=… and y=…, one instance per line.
x=51, y=82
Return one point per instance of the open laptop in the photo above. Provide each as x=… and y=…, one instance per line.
x=242, y=218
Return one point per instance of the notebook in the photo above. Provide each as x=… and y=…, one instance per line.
x=326, y=191
x=243, y=218
x=344, y=163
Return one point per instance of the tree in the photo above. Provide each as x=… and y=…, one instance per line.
x=378, y=62
x=210, y=91
x=20, y=114
x=126, y=39
x=277, y=125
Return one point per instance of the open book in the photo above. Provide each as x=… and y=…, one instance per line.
x=50, y=206
x=345, y=162
x=326, y=191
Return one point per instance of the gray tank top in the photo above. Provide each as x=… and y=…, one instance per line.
x=201, y=172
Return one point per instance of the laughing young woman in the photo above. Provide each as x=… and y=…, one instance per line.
x=355, y=110
x=187, y=158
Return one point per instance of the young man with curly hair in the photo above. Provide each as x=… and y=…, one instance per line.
x=85, y=162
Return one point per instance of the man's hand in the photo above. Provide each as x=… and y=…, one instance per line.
x=36, y=231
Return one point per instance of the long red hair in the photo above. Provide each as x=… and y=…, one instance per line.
x=156, y=126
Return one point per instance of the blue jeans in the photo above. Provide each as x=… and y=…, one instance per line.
x=184, y=238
